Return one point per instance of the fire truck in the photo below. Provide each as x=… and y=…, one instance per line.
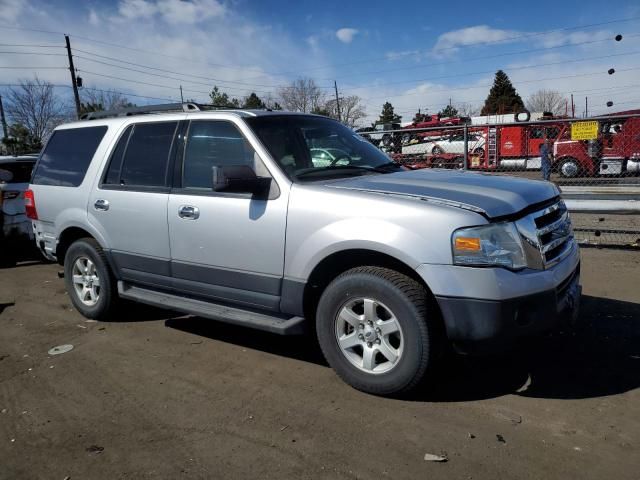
x=615, y=151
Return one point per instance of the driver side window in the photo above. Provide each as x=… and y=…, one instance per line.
x=211, y=144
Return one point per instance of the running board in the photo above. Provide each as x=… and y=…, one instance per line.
x=222, y=313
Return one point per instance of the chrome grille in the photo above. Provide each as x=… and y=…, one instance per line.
x=547, y=235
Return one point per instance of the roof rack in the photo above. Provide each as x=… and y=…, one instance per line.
x=125, y=112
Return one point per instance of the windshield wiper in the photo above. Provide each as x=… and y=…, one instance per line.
x=384, y=168
x=330, y=168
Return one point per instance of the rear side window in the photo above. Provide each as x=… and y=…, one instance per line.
x=67, y=156
x=141, y=157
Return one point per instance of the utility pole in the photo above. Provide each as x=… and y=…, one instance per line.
x=573, y=108
x=5, y=130
x=74, y=82
x=181, y=97
x=586, y=107
x=335, y=84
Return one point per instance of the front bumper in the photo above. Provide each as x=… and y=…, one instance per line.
x=477, y=324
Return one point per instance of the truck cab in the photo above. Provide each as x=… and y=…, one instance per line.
x=616, y=150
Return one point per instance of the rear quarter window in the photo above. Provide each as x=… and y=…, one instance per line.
x=67, y=156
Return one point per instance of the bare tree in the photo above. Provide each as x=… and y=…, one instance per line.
x=303, y=95
x=351, y=110
x=35, y=105
x=467, y=110
x=546, y=101
x=94, y=99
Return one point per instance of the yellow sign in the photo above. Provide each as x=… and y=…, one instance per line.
x=584, y=130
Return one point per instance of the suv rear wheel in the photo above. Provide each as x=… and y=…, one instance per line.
x=373, y=328
x=89, y=281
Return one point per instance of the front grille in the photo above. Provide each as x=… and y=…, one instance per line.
x=548, y=235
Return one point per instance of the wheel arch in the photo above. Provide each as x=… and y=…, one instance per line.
x=69, y=235
x=339, y=262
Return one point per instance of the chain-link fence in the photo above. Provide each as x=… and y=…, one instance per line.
x=595, y=161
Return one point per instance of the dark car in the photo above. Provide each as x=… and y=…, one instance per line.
x=16, y=234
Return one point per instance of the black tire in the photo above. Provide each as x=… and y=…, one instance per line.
x=437, y=150
x=107, y=298
x=479, y=151
x=408, y=301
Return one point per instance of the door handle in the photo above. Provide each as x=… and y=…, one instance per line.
x=189, y=212
x=101, y=205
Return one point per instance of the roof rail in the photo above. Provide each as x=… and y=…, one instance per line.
x=125, y=112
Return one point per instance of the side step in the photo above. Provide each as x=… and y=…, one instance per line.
x=223, y=313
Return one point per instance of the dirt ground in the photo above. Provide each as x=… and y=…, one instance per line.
x=155, y=395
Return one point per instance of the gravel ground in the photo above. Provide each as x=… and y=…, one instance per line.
x=156, y=395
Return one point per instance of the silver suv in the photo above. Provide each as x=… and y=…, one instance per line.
x=225, y=215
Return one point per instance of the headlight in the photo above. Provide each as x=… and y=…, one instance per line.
x=496, y=245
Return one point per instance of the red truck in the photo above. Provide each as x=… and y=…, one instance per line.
x=515, y=146
x=616, y=150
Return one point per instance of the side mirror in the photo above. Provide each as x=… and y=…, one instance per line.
x=239, y=179
x=5, y=176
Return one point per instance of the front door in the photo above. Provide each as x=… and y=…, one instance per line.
x=224, y=246
x=129, y=207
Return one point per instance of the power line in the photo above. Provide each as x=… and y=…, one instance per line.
x=485, y=57
x=33, y=53
x=35, y=68
x=489, y=86
x=139, y=82
x=29, y=45
x=155, y=74
x=370, y=60
x=93, y=89
x=525, y=67
x=170, y=71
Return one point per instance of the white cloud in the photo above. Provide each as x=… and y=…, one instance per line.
x=171, y=11
x=10, y=10
x=132, y=9
x=94, y=19
x=450, y=42
x=346, y=35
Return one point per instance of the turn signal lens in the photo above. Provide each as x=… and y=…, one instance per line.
x=467, y=244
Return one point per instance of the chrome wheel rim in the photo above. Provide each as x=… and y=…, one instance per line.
x=369, y=335
x=569, y=169
x=86, y=282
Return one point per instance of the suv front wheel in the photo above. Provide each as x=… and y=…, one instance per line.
x=373, y=328
x=88, y=279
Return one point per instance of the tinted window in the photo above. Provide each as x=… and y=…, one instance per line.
x=21, y=171
x=67, y=155
x=115, y=163
x=209, y=144
x=147, y=155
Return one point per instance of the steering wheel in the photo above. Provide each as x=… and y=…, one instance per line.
x=340, y=157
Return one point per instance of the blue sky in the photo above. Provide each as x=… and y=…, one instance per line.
x=414, y=54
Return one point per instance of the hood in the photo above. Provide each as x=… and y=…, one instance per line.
x=490, y=194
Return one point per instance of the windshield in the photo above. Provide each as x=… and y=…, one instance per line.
x=314, y=148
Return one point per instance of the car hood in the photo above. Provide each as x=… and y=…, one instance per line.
x=489, y=194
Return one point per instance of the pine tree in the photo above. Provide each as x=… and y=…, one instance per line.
x=387, y=115
x=502, y=97
x=220, y=99
x=253, y=101
x=448, y=111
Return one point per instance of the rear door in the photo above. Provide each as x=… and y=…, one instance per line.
x=130, y=204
